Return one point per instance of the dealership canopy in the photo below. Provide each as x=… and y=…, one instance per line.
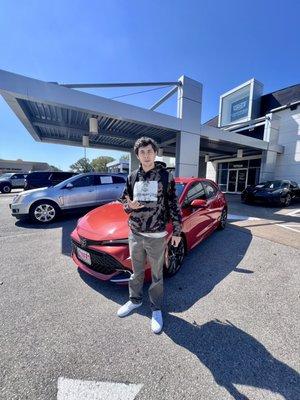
x=54, y=113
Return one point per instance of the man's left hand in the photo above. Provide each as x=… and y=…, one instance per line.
x=175, y=240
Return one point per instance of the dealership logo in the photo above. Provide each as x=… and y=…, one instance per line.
x=239, y=109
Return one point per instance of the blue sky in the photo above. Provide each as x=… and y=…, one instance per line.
x=219, y=43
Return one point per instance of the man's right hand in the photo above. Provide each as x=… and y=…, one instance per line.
x=134, y=205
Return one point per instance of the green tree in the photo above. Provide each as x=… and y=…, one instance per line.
x=124, y=157
x=82, y=165
x=54, y=168
x=99, y=163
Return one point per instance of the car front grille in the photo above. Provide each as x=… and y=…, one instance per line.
x=100, y=262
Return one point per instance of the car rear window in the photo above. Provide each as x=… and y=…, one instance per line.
x=118, y=179
x=38, y=175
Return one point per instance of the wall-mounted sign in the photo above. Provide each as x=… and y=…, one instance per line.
x=239, y=109
x=240, y=104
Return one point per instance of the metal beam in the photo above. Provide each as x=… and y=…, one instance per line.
x=215, y=151
x=113, y=85
x=167, y=142
x=218, y=135
x=79, y=144
x=28, y=89
x=164, y=98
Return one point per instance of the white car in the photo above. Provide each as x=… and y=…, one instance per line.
x=11, y=180
x=86, y=190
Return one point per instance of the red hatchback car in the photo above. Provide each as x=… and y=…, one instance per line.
x=100, y=240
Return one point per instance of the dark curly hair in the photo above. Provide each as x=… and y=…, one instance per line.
x=143, y=142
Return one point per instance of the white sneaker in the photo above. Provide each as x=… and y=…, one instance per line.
x=127, y=308
x=156, y=321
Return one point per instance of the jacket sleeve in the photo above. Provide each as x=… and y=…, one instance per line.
x=126, y=192
x=174, y=209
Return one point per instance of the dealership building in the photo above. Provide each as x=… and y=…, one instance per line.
x=22, y=166
x=255, y=137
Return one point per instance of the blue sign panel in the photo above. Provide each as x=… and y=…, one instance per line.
x=239, y=109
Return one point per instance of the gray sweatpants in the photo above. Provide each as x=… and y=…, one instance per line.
x=141, y=247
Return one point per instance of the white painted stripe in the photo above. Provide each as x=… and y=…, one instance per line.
x=289, y=227
x=75, y=389
x=294, y=212
x=242, y=217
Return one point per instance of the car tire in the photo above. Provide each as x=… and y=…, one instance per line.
x=175, y=258
x=223, y=220
x=288, y=199
x=5, y=188
x=44, y=212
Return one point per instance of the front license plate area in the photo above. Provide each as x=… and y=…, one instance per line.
x=84, y=256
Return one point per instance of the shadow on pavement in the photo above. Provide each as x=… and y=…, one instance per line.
x=234, y=357
x=204, y=267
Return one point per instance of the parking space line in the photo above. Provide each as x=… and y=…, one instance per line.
x=242, y=217
x=75, y=389
x=294, y=213
x=290, y=227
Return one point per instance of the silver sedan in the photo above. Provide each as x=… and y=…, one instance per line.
x=43, y=205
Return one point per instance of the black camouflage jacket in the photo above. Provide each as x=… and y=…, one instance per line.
x=159, y=202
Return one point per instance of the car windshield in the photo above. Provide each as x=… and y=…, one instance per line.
x=7, y=175
x=272, y=184
x=179, y=188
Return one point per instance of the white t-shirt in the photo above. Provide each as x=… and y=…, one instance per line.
x=155, y=235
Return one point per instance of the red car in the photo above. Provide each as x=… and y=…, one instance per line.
x=100, y=240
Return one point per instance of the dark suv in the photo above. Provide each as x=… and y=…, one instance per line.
x=45, y=179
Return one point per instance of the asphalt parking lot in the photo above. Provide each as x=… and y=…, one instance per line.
x=231, y=317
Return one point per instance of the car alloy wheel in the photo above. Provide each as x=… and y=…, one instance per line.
x=6, y=189
x=44, y=212
x=223, y=219
x=175, y=258
x=288, y=199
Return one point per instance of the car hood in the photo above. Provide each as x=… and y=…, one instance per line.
x=45, y=191
x=107, y=222
x=258, y=189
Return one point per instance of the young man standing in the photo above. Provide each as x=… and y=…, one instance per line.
x=150, y=200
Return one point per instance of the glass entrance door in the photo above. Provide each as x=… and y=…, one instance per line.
x=232, y=175
x=237, y=179
x=241, y=180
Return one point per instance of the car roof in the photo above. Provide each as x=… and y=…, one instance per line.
x=100, y=173
x=181, y=179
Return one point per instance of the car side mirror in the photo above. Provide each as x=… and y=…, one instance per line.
x=198, y=203
x=69, y=185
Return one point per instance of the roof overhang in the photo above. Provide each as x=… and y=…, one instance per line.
x=56, y=114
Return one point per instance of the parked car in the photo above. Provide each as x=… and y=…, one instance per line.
x=81, y=191
x=9, y=181
x=100, y=240
x=278, y=192
x=40, y=179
